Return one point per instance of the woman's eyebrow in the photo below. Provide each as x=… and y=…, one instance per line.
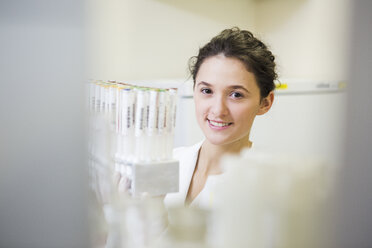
x=204, y=83
x=238, y=87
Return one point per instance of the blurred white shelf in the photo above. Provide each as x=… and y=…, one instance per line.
x=302, y=86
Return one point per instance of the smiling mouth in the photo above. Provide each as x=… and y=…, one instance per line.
x=219, y=124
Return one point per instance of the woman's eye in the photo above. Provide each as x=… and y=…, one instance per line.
x=206, y=91
x=236, y=95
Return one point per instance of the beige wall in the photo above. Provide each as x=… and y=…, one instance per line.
x=309, y=37
x=153, y=39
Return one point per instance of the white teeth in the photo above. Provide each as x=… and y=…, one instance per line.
x=219, y=124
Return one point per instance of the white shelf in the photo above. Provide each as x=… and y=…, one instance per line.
x=301, y=86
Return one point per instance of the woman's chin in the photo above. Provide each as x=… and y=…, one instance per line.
x=218, y=142
x=228, y=140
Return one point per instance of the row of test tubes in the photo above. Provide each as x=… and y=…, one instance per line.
x=142, y=118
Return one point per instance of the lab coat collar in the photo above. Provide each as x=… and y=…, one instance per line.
x=192, y=157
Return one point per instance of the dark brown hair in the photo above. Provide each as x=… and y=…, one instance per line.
x=240, y=44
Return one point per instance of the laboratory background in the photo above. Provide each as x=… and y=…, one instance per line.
x=56, y=56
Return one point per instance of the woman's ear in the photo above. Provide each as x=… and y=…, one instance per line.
x=266, y=103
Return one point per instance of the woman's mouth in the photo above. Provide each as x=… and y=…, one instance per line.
x=219, y=125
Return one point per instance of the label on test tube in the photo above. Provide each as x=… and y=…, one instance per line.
x=134, y=107
x=173, y=93
x=168, y=112
x=161, y=114
x=127, y=110
x=147, y=109
x=140, y=118
x=128, y=123
x=118, y=109
x=92, y=97
x=124, y=98
x=153, y=105
x=103, y=98
x=112, y=106
x=147, y=96
x=108, y=100
x=97, y=95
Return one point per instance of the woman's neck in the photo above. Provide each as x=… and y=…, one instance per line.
x=210, y=154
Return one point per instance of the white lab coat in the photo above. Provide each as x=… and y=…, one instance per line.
x=187, y=157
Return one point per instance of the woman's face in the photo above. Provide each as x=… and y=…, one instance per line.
x=227, y=99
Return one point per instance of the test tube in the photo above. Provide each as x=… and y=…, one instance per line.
x=102, y=98
x=108, y=98
x=128, y=104
x=97, y=95
x=118, y=109
x=167, y=125
x=171, y=122
x=161, y=124
x=140, y=122
x=117, y=123
x=152, y=129
x=92, y=97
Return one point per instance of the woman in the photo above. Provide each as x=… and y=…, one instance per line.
x=233, y=78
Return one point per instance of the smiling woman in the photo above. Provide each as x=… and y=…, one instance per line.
x=227, y=99
x=233, y=83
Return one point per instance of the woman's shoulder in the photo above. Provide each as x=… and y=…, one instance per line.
x=187, y=156
x=186, y=151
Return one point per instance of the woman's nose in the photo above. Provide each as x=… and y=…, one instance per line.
x=219, y=107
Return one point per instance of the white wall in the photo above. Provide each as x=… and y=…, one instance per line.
x=307, y=124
